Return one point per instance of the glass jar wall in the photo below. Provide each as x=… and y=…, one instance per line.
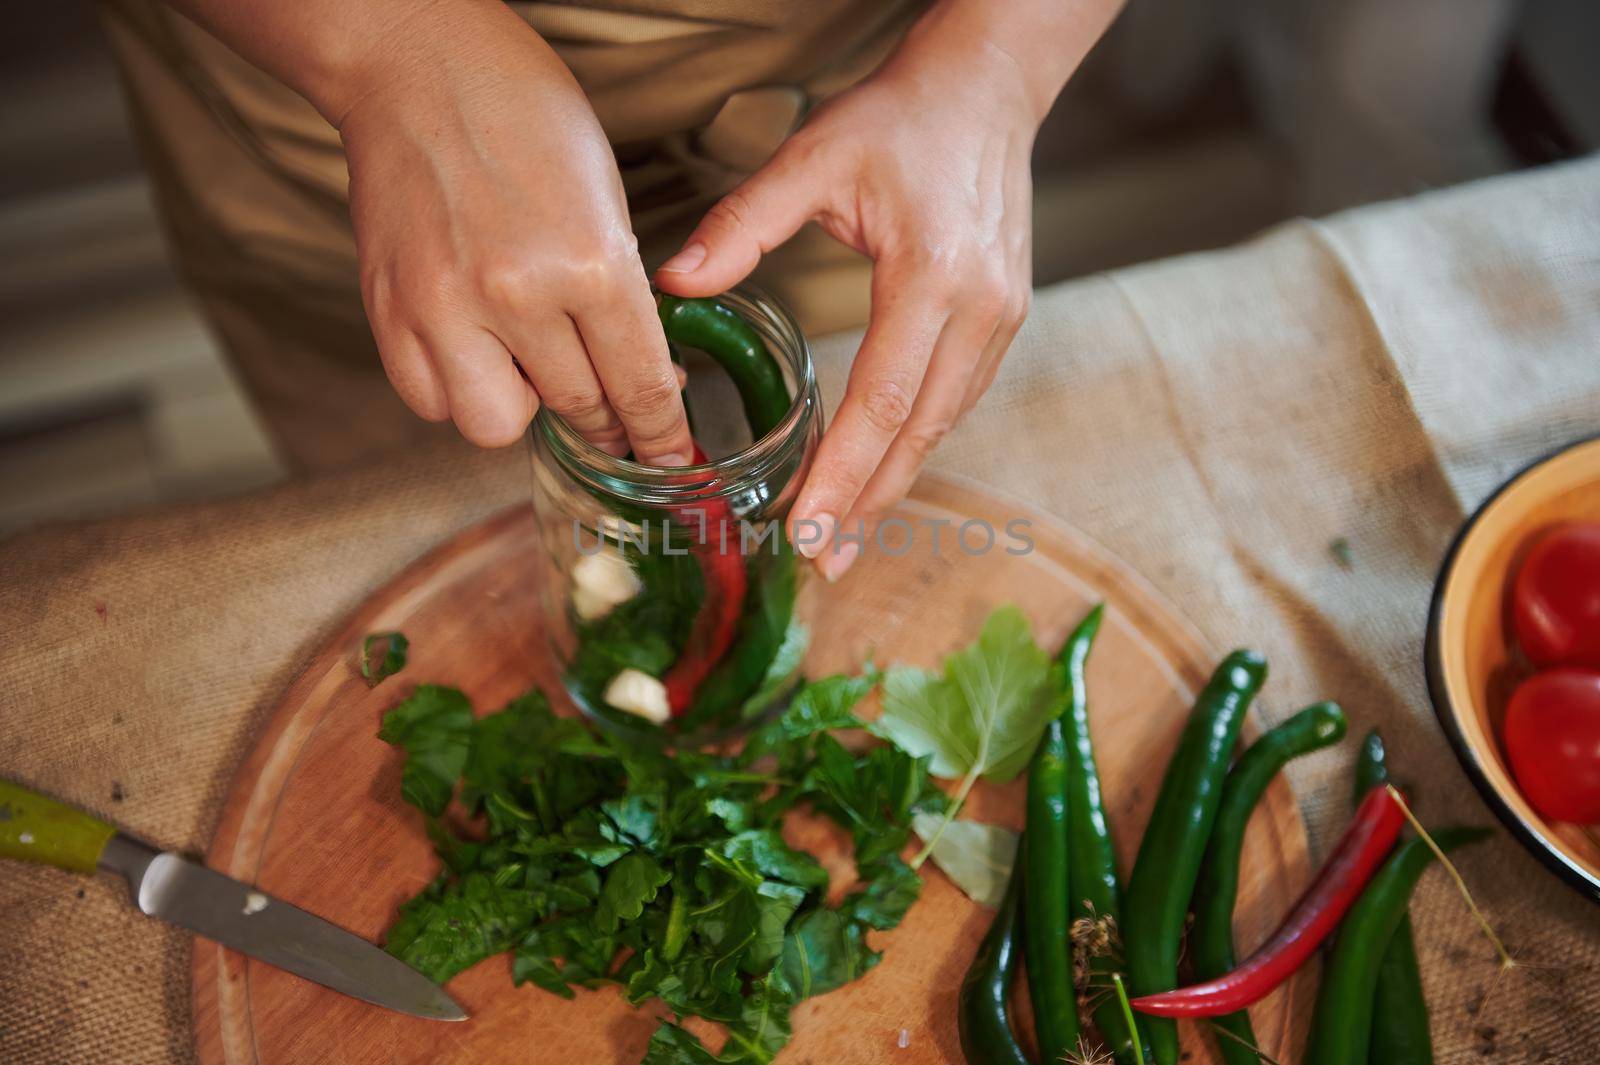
x=672, y=598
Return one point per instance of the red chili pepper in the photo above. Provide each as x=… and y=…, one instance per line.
x=717, y=621
x=1338, y=884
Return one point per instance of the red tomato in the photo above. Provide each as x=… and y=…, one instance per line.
x=1555, y=604
x=1552, y=736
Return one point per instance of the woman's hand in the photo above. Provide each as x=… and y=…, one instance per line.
x=498, y=266
x=924, y=167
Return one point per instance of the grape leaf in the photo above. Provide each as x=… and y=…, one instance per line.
x=985, y=712
x=977, y=857
x=981, y=717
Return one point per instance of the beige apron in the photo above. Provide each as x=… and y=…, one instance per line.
x=251, y=182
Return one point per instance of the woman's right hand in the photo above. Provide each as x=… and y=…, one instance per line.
x=498, y=266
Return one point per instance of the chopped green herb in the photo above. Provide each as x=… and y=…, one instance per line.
x=667, y=874
x=434, y=725
x=390, y=662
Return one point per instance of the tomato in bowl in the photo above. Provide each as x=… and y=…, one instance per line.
x=1555, y=602
x=1476, y=663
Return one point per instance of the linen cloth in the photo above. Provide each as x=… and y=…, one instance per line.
x=1217, y=420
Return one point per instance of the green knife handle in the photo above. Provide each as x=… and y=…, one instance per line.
x=36, y=829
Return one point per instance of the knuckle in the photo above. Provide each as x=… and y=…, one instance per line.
x=921, y=438
x=989, y=301
x=491, y=433
x=427, y=295
x=505, y=282
x=886, y=404
x=585, y=408
x=733, y=211
x=601, y=275
x=937, y=257
x=647, y=398
x=497, y=426
x=431, y=409
x=606, y=435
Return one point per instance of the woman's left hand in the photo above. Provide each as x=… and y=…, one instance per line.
x=924, y=168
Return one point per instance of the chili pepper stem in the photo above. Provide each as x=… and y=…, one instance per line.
x=1506, y=960
x=1219, y=1030
x=1127, y=1015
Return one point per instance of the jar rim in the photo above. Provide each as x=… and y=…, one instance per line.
x=725, y=476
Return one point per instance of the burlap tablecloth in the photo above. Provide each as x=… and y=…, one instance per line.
x=1217, y=420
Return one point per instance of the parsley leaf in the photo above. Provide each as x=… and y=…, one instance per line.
x=434, y=725
x=823, y=950
x=392, y=661
x=820, y=706
x=765, y=851
x=630, y=883
x=888, y=888
x=450, y=927
x=761, y=1031
x=666, y=873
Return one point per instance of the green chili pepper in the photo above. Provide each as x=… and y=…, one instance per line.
x=986, y=1035
x=1175, y=841
x=1400, y=1033
x=1211, y=941
x=768, y=607
x=1341, y=1027
x=736, y=345
x=1047, y=917
x=1096, y=893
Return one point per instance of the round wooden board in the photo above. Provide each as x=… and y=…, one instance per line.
x=315, y=815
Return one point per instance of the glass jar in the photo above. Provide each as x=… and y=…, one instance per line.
x=671, y=597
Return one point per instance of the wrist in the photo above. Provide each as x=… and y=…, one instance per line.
x=406, y=47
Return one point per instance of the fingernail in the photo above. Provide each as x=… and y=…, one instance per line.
x=674, y=459
x=687, y=260
x=813, y=534
x=838, y=564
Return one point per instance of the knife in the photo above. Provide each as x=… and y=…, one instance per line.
x=34, y=828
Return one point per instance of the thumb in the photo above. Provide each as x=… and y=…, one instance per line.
x=748, y=222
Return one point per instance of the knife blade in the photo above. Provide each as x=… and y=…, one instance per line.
x=187, y=894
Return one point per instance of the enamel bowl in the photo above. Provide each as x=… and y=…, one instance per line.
x=1470, y=663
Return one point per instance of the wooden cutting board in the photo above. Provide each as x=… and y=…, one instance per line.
x=315, y=815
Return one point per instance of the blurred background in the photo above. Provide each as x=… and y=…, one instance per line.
x=1194, y=124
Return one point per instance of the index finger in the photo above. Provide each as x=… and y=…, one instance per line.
x=908, y=315
x=629, y=352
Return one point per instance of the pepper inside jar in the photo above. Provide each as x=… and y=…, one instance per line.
x=672, y=598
